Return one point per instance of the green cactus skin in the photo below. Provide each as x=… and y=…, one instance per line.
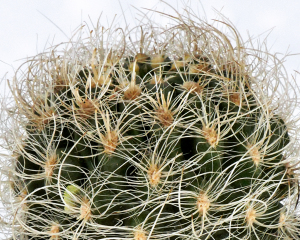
x=179, y=142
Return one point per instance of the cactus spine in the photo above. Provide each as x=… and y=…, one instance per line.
x=172, y=136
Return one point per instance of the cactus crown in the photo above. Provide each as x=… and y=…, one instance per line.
x=174, y=135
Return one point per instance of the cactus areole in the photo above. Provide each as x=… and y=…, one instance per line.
x=175, y=132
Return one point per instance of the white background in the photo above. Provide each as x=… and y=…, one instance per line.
x=28, y=27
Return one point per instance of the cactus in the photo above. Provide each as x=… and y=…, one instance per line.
x=177, y=135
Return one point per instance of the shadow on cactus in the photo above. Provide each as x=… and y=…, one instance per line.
x=175, y=134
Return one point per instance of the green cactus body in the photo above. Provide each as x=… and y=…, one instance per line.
x=178, y=142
